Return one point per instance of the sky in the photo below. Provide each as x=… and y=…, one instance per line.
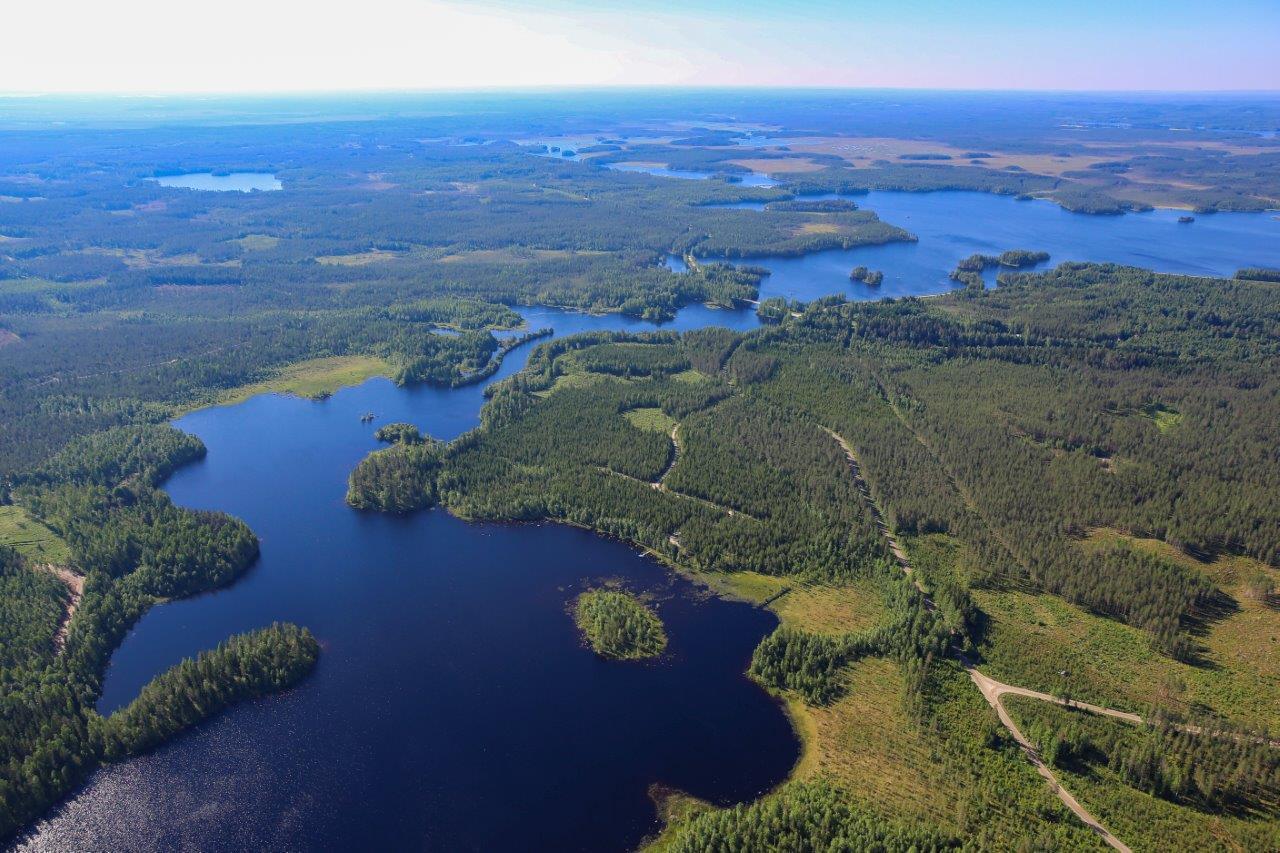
x=258, y=46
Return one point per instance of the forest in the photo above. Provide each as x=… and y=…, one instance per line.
x=1224, y=769
x=908, y=368
x=618, y=625
x=1035, y=434
x=133, y=548
x=1121, y=416
x=245, y=666
x=806, y=817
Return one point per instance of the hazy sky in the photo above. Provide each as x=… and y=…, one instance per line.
x=320, y=45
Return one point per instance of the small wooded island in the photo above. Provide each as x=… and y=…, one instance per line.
x=618, y=625
x=871, y=278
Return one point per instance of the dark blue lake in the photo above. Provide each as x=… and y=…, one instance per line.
x=454, y=706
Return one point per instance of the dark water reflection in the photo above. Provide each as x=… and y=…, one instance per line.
x=454, y=706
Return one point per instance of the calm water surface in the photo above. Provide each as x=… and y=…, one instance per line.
x=954, y=225
x=749, y=179
x=454, y=707
x=234, y=182
x=659, y=171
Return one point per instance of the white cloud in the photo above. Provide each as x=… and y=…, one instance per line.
x=261, y=45
x=322, y=45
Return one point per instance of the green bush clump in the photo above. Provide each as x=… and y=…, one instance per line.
x=618, y=625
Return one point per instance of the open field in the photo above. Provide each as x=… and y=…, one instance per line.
x=30, y=538
x=147, y=258
x=821, y=228
x=257, y=242
x=691, y=376
x=315, y=378
x=834, y=610
x=861, y=151
x=378, y=182
x=650, y=420
x=356, y=259
x=1033, y=639
x=782, y=167
x=867, y=743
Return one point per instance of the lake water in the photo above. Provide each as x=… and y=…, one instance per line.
x=233, y=182
x=954, y=225
x=454, y=707
x=749, y=179
x=659, y=171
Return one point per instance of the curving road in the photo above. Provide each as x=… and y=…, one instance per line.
x=991, y=689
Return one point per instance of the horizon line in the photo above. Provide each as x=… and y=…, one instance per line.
x=628, y=87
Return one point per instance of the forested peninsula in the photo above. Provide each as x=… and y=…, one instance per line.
x=130, y=548
x=854, y=440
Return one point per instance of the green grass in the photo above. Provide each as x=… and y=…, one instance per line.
x=513, y=254
x=1033, y=639
x=1164, y=417
x=936, y=558
x=576, y=378
x=313, y=379
x=257, y=242
x=691, y=376
x=618, y=626
x=30, y=538
x=13, y=286
x=650, y=420
x=675, y=810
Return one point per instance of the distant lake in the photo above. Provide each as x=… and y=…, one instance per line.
x=659, y=171
x=954, y=225
x=756, y=179
x=748, y=179
x=232, y=182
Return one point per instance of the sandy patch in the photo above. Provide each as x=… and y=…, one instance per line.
x=377, y=181
x=357, y=259
x=820, y=228
x=789, y=165
x=75, y=591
